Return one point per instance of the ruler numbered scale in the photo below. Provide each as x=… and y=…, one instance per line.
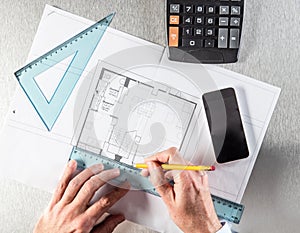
x=82, y=47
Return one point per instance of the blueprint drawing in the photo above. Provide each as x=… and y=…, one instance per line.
x=129, y=119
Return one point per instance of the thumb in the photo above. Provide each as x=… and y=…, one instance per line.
x=159, y=181
x=108, y=224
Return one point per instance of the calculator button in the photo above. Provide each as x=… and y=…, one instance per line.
x=173, y=36
x=187, y=31
x=209, y=43
x=210, y=32
x=189, y=9
x=198, y=31
x=223, y=21
x=199, y=9
x=187, y=20
x=235, y=10
x=223, y=38
x=235, y=22
x=234, y=38
x=174, y=8
x=199, y=20
x=191, y=42
x=210, y=21
x=224, y=10
x=210, y=9
x=174, y=19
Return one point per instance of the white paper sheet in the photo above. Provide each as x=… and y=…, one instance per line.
x=34, y=156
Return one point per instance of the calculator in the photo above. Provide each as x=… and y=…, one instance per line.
x=204, y=31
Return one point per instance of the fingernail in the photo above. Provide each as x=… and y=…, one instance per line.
x=96, y=168
x=144, y=172
x=115, y=171
x=72, y=163
x=202, y=173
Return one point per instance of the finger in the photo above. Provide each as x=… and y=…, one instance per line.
x=96, y=210
x=77, y=182
x=171, y=155
x=162, y=157
x=89, y=188
x=108, y=224
x=63, y=183
x=176, y=158
x=160, y=183
x=144, y=172
x=200, y=180
x=172, y=174
x=189, y=183
x=204, y=178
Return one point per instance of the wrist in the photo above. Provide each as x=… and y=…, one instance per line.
x=208, y=226
x=216, y=226
x=211, y=226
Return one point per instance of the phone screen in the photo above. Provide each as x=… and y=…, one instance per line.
x=225, y=125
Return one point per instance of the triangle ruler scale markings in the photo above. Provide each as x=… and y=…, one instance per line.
x=78, y=51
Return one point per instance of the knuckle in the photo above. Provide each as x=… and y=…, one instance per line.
x=58, y=209
x=74, y=183
x=105, y=176
x=96, y=179
x=104, y=202
x=85, y=191
x=91, y=184
x=88, y=186
x=83, y=225
x=62, y=185
x=185, y=180
x=172, y=150
x=183, y=175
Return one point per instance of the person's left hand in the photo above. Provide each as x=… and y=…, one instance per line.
x=70, y=209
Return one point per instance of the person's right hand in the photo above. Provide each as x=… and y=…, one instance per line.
x=188, y=201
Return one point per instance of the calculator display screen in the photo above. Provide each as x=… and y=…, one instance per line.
x=225, y=125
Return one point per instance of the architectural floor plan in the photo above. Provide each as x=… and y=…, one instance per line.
x=131, y=118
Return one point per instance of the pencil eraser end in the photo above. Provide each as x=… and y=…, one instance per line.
x=213, y=168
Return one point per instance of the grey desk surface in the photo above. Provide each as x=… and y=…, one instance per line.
x=270, y=53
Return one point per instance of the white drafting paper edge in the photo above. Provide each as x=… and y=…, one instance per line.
x=26, y=165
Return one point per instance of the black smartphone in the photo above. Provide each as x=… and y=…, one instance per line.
x=225, y=125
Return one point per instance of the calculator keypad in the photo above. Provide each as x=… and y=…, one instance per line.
x=205, y=24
